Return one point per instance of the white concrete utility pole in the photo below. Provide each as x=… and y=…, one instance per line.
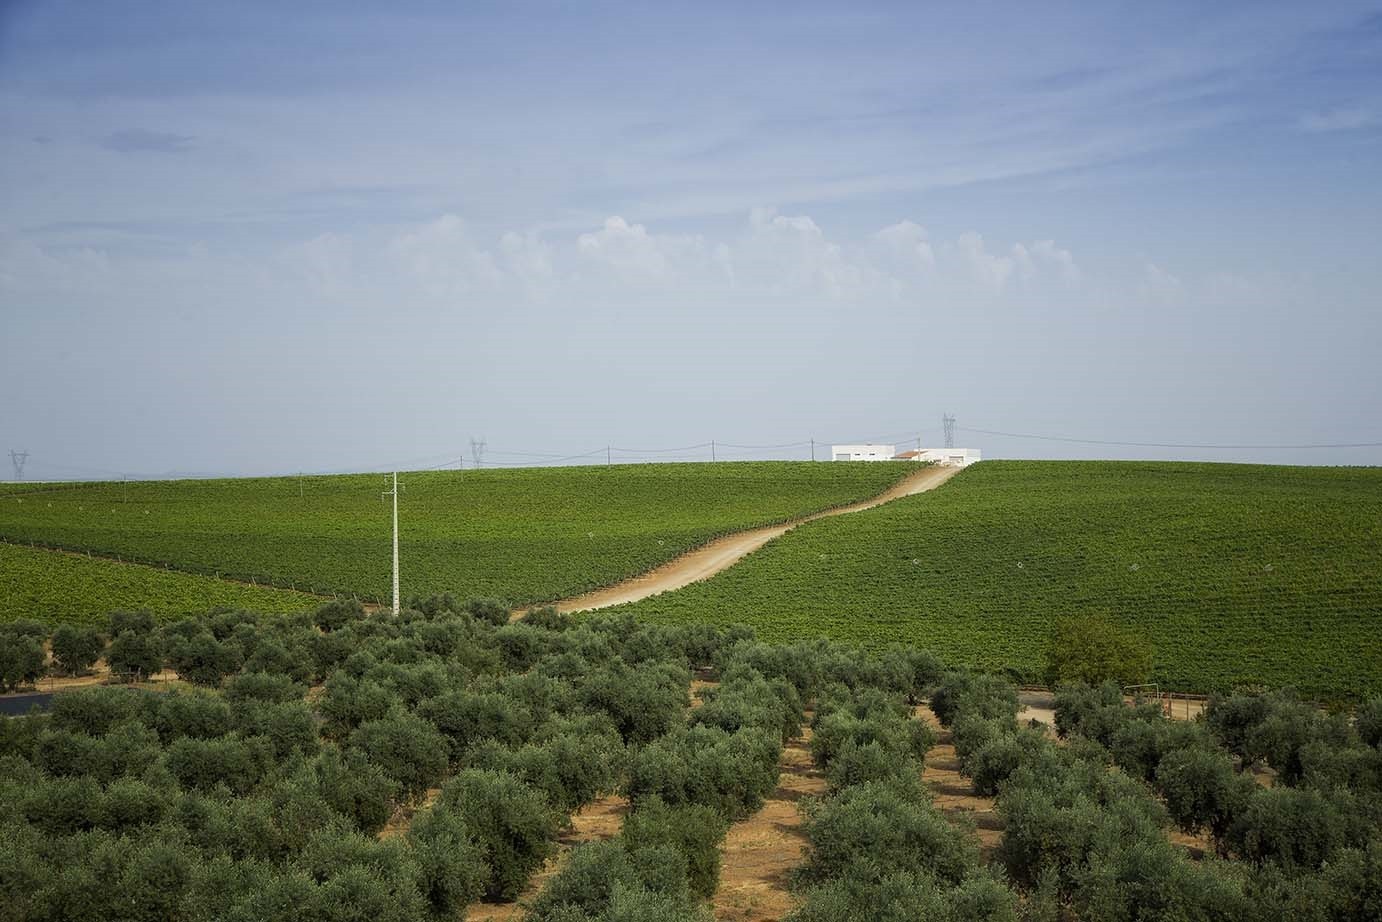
x=394, y=493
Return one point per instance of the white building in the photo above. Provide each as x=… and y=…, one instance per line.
x=949, y=457
x=862, y=452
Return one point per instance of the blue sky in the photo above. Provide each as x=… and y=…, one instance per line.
x=262, y=237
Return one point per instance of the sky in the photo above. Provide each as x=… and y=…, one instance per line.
x=248, y=237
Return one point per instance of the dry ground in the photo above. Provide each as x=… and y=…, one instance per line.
x=760, y=852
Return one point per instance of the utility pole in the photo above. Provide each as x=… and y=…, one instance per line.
x=125, y=487
x=712, y=449
x=17, y=458
x=813, y=449
x=608, y=462
x=299, y=484
x=394, y=494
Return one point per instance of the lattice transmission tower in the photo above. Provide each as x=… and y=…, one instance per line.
x=948, y=426
x=17, y=458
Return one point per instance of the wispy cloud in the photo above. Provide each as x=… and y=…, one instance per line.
x=1344, y=119
x=131, y=140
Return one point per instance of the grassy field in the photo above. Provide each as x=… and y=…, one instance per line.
x=522, y=535
x=55, y=587
x=1236, y=573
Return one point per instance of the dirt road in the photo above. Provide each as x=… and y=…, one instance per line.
x=722, y=553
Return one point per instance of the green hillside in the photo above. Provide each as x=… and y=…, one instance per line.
x=523, y=535
x=1236, y=573
x=55, y=587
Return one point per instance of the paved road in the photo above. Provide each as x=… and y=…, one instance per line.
x=19, y=705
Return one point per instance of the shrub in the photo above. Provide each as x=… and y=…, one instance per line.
x=1231, y=718
x=95, y=711
x=451, y=866
x=360, y=878
x=607, y=882
x=200, y=716
x=262, y=686
x=22, y=660
x=992, y=763
x=907, y=896
x=693, y=831
x=1077, y=704
x=746, y=699
x=204, y=660
x=731, y=773
x=547, y=618
x=289, y=726
x=645, y=702
x=355, y=788
x=335, y=615
x=408, y=749
x=491, y=611
x=129, y=804
x=201, y=765
x=974, y=694
x=467, y=717
x=873, y=830
x=1201, y=789
x=900, y=738
x=1294, y=828
x=510, y=823
x=134, y=653
x=76, y=648
x=858, y=763
x=1094, y=649
x=570, y=769
x=136, y=622
x=1369, y=722
x=63, y=806
x=349, y=702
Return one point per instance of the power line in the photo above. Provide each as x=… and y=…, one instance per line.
x=1060, y=438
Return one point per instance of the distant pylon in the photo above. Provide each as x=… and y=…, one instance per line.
x=17, y=458
x=948, y=425
x=477, y=452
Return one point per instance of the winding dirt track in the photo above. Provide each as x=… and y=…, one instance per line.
x=723, y=553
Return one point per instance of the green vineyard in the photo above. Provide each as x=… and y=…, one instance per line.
x=1236, y=574
x=521, y=535
x=56, y=587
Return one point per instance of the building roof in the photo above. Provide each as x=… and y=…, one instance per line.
x=907, y=455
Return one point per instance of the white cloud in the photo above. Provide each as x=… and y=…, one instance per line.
x=628, y=249
x=908, y=243
x=328, y=263
x=990, y=269
x=442, y=256
x=1034, y=258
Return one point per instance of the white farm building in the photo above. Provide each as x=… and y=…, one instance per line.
x=948, y=457
x=862, y=452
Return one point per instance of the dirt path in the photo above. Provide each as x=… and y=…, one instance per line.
x=760, y=852
x=954, y=795
x=722, y=553
x=599, y=820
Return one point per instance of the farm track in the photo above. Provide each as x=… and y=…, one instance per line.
x=722, y=553
x=694, y=566
x=760, y=852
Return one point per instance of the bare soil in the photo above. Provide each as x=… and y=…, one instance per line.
x=598, y=821
x=954, y=795
x=760, y=852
